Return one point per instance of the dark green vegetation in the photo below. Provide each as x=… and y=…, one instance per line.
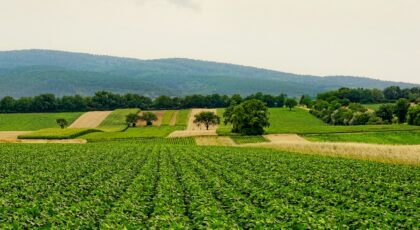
x=302, y=122
x=33, y=121
x=248, y=118
x=414, y=115
x=56, y=133
x=124, y=184
x=248, y=139
x=396, y=138
x=207, y=119
x=64, y=73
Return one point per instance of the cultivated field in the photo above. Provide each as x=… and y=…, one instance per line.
x=121, y=185
x=115, y=121
x=193, y=129
x=34, y=121
x=391, y=138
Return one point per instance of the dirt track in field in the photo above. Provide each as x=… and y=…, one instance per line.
x=157, y=123
x=11, y=134
x=193, y=129
x=33, y=141
x=90, y=119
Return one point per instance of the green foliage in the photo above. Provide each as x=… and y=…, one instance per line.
x=249, y=118
x=401, y=109
x=207, y=119
x=290, y=103
x=53, y=133
x=385, y=112
x=248, y=139
x=393, y=138
x=149, y=117
x=62, y=122
x=127, y=185
x=182, y=118
x=132, y=119
x=33, y=121
x=116, y=121
x=414, y=115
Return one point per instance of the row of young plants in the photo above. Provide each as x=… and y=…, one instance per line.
x=125, y=185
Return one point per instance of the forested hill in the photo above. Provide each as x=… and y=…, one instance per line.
x=32, y=72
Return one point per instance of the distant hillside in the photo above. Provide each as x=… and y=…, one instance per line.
x=31, y=72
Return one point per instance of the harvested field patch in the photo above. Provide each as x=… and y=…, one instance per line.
x=214, y=141
x=90, y=119
x=11, y=134
x=172, y=122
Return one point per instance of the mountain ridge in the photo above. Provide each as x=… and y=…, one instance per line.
x=38, y=71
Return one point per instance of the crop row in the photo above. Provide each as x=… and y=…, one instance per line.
x=124, y=184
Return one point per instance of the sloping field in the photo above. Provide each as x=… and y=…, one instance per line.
x=56, y=133
x=34, y=121
x=126, y=185
x=300, y=121
x=11, y=134
x=115, y=122
x=90, y=119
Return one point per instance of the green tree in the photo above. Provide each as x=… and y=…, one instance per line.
x=306, y=101
x=206, y=118
x=62, y=122
x=290, y=103
x=149, y=117
x=414, y=115
x=249, y=118
x=132, y=119
x=401, y=109
x=385, y=112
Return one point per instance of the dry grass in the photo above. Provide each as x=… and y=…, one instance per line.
x=173, y=118
x=409, y=155
x=214, y=141
x=41, y=141
x=90, y=119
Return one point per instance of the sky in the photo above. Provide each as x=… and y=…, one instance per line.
x=373, y=38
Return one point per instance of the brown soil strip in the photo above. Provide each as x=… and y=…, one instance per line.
x=33, y=141
x=173, y=118
x=214, y=141
x=12, y=134
x=157, y=123
x=90, y=119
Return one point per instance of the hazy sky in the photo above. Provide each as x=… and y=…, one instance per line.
x=374, y=38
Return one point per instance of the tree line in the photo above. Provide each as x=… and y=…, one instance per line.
x=104, y=100
x=366, y=96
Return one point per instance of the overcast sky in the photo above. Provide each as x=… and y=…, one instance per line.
x=373, y=38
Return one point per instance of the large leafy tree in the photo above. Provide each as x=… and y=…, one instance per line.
x=132, y=119
x=207, y=119
x=290, y=103
x=386, y=112
x=149, y=117
x=401, y=109
x=249, y=118
x=62, y=122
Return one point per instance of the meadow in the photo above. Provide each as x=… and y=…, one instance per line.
x=139, y=132
x=34, y=121
x=395, y=138
x=300, y=121
x=248, y=139
x=120, y=185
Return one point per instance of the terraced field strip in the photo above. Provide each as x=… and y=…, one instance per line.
x=193, y=129
x=172, y=122
x=157, y=123
x=214, y=141
x=11, y=135
x=90, y=119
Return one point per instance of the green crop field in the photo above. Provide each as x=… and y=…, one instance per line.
x=33, y=121
x=302, y=122
x=150, y=131
x=152, y=140
x=400, y=138
x=57, y=133
x=115, y=121
x=122, y=185
x=182, y=118
x=248, y=139
x=167, y=117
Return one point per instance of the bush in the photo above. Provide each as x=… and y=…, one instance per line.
x=414, y=115
x=360, y=118
x=374, y=120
